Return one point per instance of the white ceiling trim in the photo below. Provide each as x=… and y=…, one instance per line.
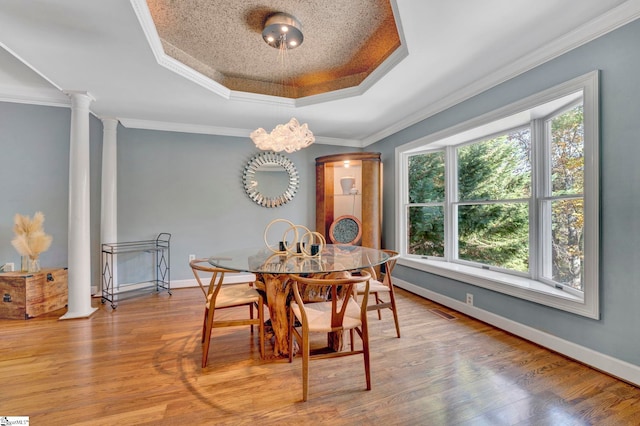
x=354, y=143
x=394, y=59
x=43, y=96
x=133, y=123
x=143, y=14
x=385, y=67
x=37, y=96
x=615, y=18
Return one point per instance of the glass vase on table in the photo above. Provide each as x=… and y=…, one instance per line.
x=33, y=265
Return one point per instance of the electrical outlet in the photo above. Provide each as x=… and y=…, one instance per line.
x=469, y=299
x=192, y=257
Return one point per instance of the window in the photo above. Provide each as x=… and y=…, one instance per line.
x=426, y=204
x=509, y=201
x=563, y=199
x=492, y=206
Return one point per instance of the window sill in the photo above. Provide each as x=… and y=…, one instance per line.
x=520, y=287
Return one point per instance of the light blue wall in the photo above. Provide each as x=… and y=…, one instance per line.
x=34, y=167
x=34, y=172
x=618, y=57
x=190, y=185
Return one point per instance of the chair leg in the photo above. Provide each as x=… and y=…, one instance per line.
x=207, y=337
x=204, y=324
x=261, y=326
x=365, y=353
x=351, y=338
x=392, y=298
x=305, y=364
x=377, y=302
x=304, y=348
x=292, y=320
x=251, y=315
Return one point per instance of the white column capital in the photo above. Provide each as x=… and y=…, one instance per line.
x=109, y=120
x=79, y=94
x=109, y=125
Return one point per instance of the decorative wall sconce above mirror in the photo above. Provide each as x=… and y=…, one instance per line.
x=270, y=179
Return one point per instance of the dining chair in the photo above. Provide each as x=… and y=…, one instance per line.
x=219, y=296
x=337, y=313
x=383, y=285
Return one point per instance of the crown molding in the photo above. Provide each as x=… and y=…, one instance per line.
x=133, y=123
x=29, y=95
x=394, y=59
x=141, y=9
x=354, y=143
x=47, y=96
x=145, y=19
x=607, y=22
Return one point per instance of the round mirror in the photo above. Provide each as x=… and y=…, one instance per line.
x=270, y=179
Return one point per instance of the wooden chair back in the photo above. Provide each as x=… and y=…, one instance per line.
x=232, y=297
x=202, y=267
x=337, y=288
x=328, y=316
x=388, y=268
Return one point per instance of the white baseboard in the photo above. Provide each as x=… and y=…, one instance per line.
x=228, y=279
x=615, y=367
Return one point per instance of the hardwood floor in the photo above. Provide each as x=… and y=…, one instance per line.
x=140, y=364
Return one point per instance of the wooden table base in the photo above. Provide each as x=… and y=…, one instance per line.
x=277, y=288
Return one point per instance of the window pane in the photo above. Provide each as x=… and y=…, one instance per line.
x=426, y=178
x=567, y=245
x=426, y=231
x=567, y=152
x=495, y=235
x=495, y=169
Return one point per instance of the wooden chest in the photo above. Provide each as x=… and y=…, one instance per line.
x=25, y=295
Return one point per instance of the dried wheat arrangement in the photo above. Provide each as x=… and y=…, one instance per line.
x=30, y=239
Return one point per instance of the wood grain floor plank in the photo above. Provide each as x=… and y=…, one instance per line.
x=140, y=364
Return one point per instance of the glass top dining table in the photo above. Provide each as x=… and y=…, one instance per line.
x=273, y=272
x=332, y=258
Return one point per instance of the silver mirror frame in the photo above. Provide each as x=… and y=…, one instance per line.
x=270, y=158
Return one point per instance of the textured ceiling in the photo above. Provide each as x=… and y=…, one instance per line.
x=344, y=42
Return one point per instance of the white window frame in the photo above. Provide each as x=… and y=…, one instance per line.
x=585, y=303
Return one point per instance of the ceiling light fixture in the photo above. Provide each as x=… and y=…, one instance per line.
x=288, y=137
x=283, y=32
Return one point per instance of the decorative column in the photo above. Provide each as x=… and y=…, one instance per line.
x=109, y=205
x=79, y=239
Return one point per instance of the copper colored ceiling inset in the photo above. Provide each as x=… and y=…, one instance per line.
x=344, y=42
